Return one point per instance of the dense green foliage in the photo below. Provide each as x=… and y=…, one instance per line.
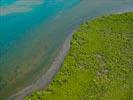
x=99, y=65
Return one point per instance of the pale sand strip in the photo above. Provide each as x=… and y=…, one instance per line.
x=48, y=76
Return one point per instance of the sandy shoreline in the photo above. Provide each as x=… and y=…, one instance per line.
x=47, y=77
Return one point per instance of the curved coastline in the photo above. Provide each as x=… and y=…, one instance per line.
x=47, y=77
x=54, y=31
x=93, y=71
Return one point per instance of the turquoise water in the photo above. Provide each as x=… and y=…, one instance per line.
x=6, y=2
x=32, y=32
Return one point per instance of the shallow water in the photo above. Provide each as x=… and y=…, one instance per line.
x=31, y=34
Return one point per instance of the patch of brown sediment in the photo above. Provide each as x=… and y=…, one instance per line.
x=47, y=77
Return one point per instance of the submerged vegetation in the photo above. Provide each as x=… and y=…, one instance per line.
x=99, y=65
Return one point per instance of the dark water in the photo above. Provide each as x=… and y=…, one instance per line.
x=32, y=32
